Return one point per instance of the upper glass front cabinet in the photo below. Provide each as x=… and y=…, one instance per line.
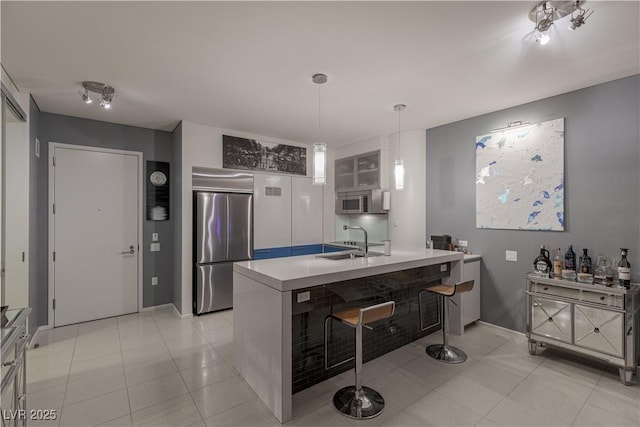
x=360, y=172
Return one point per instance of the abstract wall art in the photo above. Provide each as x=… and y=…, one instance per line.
x=520, y=178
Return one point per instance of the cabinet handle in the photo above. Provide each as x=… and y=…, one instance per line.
x=596, y=330
x=550, y=319
x=602, y=298
x=545, y=288
x=6, y=364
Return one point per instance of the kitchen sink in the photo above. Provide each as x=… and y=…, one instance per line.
x=348, y=255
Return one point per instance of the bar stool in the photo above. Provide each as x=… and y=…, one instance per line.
x=445, y=352
x=357, y=401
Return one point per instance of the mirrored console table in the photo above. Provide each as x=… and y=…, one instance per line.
x=593, y=320
x=14, y=368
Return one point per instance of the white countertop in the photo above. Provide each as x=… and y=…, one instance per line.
x=291, y=273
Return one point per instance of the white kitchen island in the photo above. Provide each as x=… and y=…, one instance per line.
x=262, y=310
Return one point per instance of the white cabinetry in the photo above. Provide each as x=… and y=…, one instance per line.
x=467, y=309
x=471, y=300
x=356, y=173
x=306, y=212
x=271, y=211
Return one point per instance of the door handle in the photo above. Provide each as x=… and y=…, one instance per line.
x=131, y=251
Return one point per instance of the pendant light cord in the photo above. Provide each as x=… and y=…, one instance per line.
x=319, y=138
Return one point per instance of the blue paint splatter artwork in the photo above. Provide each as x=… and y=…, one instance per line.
x=533, y=216
x=560, y=186
x=483, y=142
x=503, y=196
x=519, y=178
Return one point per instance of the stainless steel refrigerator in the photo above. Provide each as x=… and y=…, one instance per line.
x=223, y=226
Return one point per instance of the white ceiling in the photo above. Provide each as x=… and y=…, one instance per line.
x=248, y=66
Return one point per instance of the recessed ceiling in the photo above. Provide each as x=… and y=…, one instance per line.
x=247, y=66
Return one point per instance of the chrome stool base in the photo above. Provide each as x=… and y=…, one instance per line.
x=446, y=353
x=364, y=405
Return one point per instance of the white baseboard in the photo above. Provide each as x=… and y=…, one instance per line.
x=157, y=307
x=168, y=305
x=34, y=337
x=182, y=316
x=491, y=325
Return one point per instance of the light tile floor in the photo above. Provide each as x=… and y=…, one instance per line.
x=154, y=369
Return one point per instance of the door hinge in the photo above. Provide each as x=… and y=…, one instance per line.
x=54, y=208
x=54, y=256
x=54, y=303
x=54, y=161
x=22, y=256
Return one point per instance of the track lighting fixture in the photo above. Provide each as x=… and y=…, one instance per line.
x=546, y=12
x=85, y=96
x=104, y=91
x=578, y=20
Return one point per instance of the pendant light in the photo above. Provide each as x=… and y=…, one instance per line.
x=398, y=164
x=319, y=149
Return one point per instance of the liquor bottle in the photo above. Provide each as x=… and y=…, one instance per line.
x=624, y=269
x=542, y=264
x=570, y=259
x=558, y=264
x=585, y=262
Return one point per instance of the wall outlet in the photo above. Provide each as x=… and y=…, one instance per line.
x=37, y=149
x=463, y=243
x=443, y=267
x=154, y=237
x=512, y=256
x=154, y=281
x=155, y=247
x=304, y=296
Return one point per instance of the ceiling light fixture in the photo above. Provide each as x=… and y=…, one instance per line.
x=85, y=96
x=319, y=149
x=544, y=21
x=398, y=163
x=579, y=20
x=104, y=91
x=546, y=12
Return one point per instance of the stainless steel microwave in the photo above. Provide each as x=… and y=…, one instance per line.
x=362, y=202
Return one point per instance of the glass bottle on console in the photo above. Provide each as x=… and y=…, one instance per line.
x=570, y=259
x=624, y=270
x=558, y=264
x=603, y=275
x=585, y=262
x=542, y=263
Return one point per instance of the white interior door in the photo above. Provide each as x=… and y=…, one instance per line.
x=95, y=237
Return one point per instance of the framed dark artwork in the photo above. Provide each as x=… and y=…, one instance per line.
x=243, y=153
x=157, y=191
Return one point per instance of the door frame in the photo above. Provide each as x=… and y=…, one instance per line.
x=52, y=146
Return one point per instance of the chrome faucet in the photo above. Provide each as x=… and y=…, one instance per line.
x=365, y=249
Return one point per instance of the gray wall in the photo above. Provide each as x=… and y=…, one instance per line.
x=602, y=200
x=176, y=213
x=155, y=145
x=37, y=300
